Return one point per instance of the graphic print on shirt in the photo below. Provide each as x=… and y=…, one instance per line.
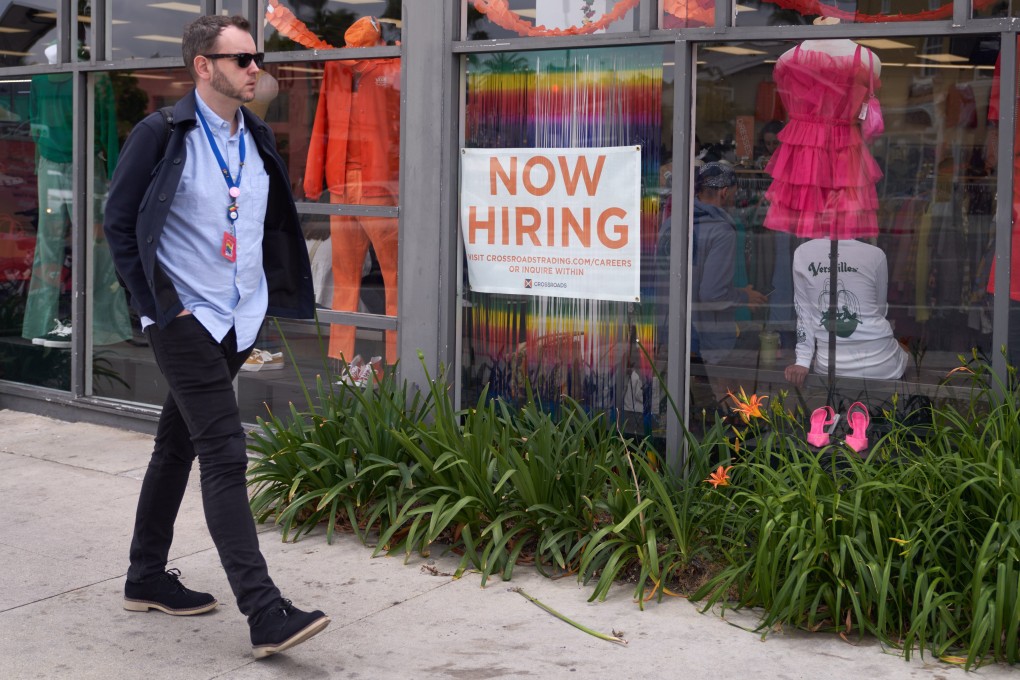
x=848, y=310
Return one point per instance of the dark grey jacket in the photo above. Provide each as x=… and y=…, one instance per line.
x=713, y=296
x=142, y=188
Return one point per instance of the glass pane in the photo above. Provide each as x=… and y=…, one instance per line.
x=765, y=13
x=996, y=8
x=1013, y=339
x=142, y=30
x=338, y=126
x=296, y=352
x=83, y=31
x=362, y=249
x=910, y=213
x=26, y=30
x=489, y=19
x=113, y=336
x=34, y=207
x=122, y=364
x=299, y=24
x=696, y=14
x=36, y=213
x=354, y=269
x=149, y=30
x=588, y=349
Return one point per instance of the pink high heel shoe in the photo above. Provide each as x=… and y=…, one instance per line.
x=823, y=421
x=858, y=419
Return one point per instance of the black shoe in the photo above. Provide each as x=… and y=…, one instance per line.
x=167, y=594
x=281, y=625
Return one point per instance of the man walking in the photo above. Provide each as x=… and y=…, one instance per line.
x=204, y=233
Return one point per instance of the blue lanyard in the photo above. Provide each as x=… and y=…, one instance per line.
x=233, y=185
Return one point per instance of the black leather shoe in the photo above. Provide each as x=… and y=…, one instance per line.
x=167, y=594
x=281, y=625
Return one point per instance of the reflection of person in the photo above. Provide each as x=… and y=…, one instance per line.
x=355, y=144
x=823, y=176
x=865, y=345
x=204, y=244
x=51, y=112
x=714, y=298
x=713, y=295
x=768, y=142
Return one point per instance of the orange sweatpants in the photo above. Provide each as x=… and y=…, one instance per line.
x=350, y=238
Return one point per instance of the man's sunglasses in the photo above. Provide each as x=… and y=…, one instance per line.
x=244, y=59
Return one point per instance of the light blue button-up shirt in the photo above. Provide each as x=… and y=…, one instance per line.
x=218, y=292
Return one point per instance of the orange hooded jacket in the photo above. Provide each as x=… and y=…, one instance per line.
x=357, y=122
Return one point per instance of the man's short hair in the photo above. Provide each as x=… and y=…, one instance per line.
x=715, y=175
x=201, y=34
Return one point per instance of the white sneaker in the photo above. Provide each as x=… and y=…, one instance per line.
x=261, y=360
x=358, y=373
x=60, y=336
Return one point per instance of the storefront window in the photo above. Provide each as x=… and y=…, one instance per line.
x=489, y=19
x=340, y=135
x=122, y=365
x=150, y=30
x=353, y=255
x=996, y=8
x=84, y=36
x=296, y=24
x=909, y=213
x=598, y=351
x=797, y=12
x=141, y=30
x=35, y=138
x=26, y=30
x=991, y=155
x=688, y=13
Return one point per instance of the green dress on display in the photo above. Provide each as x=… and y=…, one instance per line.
x=51, y=111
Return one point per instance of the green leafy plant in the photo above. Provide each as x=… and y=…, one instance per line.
x=917, y=544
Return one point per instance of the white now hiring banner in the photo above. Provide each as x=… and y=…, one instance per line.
x=558, y=222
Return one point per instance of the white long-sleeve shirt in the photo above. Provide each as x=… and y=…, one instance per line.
x=865, y=344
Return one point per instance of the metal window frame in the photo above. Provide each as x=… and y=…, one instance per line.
x=686, y=43
x=432, y=108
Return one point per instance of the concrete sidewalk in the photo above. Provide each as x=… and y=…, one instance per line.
x=67, y=496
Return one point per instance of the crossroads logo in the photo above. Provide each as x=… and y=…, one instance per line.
x=530, y=283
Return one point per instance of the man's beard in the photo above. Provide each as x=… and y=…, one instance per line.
x=223, y=86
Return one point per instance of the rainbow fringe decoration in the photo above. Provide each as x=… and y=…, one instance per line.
x=585, y=349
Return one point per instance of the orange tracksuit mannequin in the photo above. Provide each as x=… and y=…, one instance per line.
x=355, y=144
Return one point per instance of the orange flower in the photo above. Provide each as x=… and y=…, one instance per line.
x=748, y=406
x=721, y=477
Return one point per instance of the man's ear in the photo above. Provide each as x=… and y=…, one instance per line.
x=202, y=67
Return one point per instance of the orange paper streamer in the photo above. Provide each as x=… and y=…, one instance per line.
x=284, y=21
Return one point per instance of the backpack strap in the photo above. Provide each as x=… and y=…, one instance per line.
x=168, y=123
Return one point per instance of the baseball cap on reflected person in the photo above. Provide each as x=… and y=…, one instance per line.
x=715, y=175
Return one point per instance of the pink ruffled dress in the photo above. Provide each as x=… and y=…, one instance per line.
x=823, y=175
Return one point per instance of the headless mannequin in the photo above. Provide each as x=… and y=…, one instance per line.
x=266, y=89
x=51, y=114
x=355, y=144
x=837, y=47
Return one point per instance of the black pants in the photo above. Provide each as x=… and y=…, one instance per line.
x=200, y=418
